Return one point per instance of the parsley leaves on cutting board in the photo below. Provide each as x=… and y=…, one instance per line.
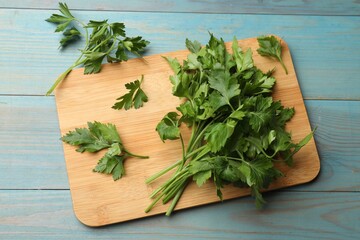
x=237, y=129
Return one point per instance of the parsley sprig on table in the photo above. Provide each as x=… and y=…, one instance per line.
x=237, y=129
x=99, y=136
x=103, y=40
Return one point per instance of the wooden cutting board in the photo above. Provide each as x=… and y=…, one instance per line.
x=97, y=199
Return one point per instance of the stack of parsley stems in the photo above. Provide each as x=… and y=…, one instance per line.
x=174, y=187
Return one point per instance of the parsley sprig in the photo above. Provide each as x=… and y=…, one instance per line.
x=270, y=46
x=99, y=136
x=103, y=40
x=237, y=129
x=134, y=98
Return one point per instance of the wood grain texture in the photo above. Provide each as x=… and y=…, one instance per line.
x=337, y=125
x=31, y=156
x=97, y=200
x=296, y=7
x=320, y=215
x=322, y=47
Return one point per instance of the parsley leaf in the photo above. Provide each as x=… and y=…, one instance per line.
x=103, y=41
x=134, y=98
x=217, y=135
x=194, y=46
x=224, y=84
x=99, y=136
x=96, y=137
x=243, y=61
x=111, y=165
x=70, y=35
x=270, y=46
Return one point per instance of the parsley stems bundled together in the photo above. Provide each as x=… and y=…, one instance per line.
x=105, y=41
x=237, y=129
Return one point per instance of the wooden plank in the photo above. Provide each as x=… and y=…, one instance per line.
x=30, y=167
x=325, y=65
x=95, y=203
x=295, y=7
x=31, y=153
x=302, y=215
x=338, y=139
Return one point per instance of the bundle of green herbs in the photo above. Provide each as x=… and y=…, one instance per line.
x=237, y=129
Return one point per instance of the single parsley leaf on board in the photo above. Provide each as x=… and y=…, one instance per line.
x=103, y=41
x=99, y=136
x=134, y=98
x=270, y=46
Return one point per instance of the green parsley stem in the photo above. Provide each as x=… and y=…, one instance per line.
x=135, y=155
x=77, y=62
x=155, y=192
x=283, y=65
x=205, y=150
x=64, y=74
x=175, y=180
x=153, y=203
x=142, y=78
x=162, y=172
x=192, y=153
x=175, y=200
x=183, y=152
x=83, y=25
x=174, y=189
x=165, y=185
x=192, y=137
x=197, y=139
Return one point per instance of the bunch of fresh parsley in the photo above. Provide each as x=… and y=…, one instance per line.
x=237, y=129
x=103, y=40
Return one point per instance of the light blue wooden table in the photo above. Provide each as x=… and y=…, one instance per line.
x=324, y=39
